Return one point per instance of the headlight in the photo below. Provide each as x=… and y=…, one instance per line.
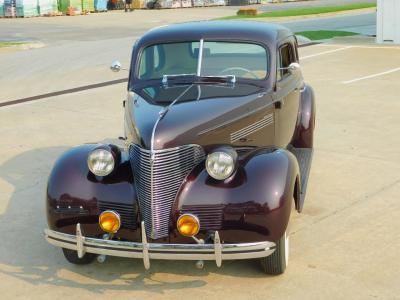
x=220, y=164
x=101, y=162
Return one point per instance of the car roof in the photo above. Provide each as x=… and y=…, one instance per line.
x=260, y=32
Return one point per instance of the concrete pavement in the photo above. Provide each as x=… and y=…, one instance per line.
x=78, y=49
x=102, y=26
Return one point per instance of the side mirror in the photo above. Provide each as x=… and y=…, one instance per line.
x=294, y=68
x=115, y=66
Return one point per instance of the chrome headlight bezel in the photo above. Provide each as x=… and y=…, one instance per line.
x=101, y=162
x=221, y=163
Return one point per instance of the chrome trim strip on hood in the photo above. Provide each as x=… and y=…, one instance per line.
x=162, y=114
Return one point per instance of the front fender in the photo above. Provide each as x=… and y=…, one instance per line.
x=74, y=193
x=253, y=205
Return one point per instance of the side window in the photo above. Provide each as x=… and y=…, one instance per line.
x=152, y=60
x=285, y=58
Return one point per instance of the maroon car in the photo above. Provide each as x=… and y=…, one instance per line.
x=218, y=144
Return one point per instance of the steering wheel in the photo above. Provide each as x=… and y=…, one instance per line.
x=239, y=69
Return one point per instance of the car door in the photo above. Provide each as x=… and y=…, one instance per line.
x=287, y=94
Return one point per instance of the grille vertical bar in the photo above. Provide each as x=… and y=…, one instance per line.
x=158, y=176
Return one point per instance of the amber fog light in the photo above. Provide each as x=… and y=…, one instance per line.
x=109, y=221
x=188, y=225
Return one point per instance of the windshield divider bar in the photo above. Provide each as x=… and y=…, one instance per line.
x=200, y=58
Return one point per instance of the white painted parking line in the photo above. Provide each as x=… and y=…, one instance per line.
x=325, y=52
x=360, y=46
x=371, y=76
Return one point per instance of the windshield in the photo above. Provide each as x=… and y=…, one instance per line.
x=243, y=60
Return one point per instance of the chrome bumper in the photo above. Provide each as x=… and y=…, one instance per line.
x=146, y=251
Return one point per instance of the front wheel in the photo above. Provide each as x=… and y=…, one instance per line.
x=72, y=257
x=277, y=262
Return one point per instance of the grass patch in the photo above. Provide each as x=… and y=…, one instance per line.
x=304, y=11
x=10, y=44
x=324, y=34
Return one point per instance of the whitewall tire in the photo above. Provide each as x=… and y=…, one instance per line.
x=277, y=262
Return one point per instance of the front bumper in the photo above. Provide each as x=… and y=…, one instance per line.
x=146, y=251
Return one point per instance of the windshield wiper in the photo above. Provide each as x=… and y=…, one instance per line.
x=218, y=79
x=194, y=79
x=183, y=78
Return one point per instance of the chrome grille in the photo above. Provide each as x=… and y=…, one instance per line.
x=158, y=176
x=210, y=216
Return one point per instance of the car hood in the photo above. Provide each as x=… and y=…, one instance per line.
x=203, y=114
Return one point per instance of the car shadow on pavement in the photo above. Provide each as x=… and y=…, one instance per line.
x=25, y=255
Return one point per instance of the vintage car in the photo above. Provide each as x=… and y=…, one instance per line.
x=217, y=150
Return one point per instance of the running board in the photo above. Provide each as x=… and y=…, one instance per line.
x=304, y=158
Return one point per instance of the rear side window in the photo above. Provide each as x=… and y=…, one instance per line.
x=285, y=58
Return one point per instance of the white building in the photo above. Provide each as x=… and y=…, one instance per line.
x=388, y=21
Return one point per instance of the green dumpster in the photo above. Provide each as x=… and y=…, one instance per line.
x=75, y=4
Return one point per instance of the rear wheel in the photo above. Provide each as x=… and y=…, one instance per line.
x=72, y=257
x=277, y=262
